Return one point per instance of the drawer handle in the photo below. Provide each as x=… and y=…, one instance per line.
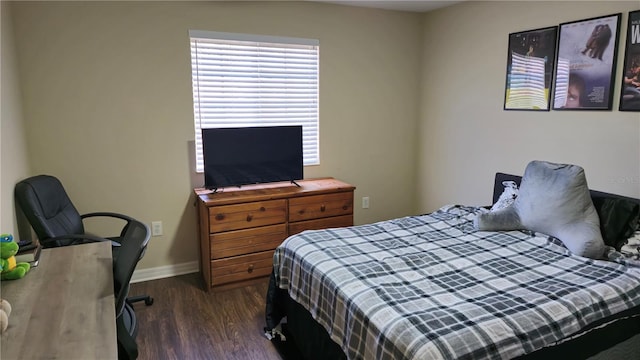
x=323, y=208
x=345, y=207
x=301, y=211
x=262, y=208
x=220, y=217
x=249, y=217
x=250, y=269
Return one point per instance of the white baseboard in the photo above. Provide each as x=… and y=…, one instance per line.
x=162, y=272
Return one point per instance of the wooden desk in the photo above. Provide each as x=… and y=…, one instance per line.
x=64, y=308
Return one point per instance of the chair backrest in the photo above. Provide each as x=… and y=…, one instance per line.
x=47, y=206
x=134, y=243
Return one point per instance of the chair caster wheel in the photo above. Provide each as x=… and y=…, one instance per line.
x=148, y=301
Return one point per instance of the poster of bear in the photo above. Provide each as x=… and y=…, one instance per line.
x=630, y=92
x=585, y=69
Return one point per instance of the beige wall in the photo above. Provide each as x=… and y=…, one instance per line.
x=411, y=112
x=13, y=149
x=466, y=136
x=108, y=107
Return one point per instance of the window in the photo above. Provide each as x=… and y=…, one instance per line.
x=250, y=80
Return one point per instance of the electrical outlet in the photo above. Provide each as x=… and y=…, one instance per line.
x=365, y=202
x=156, y=228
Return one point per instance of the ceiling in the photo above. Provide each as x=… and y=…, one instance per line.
x=414, y=5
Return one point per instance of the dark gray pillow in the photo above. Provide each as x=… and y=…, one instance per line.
x=618, y=219
x=553, y=199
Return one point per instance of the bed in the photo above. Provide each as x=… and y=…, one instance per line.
x=435, y=287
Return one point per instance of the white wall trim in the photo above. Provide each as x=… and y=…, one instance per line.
x=161, y=272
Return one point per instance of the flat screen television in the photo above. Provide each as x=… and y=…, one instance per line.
x=251, y=155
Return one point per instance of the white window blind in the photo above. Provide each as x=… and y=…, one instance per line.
x=242, y=80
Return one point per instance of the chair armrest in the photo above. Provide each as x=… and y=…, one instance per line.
x=76, y=239
x=108, y=214
x=126, y=218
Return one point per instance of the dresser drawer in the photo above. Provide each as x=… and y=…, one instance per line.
x=332, y=222
x=238, y=242
x=241, y=227
x=240, y=268
x=320, y=206
x=247, y=215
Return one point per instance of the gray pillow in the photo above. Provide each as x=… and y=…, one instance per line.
x=553, y=199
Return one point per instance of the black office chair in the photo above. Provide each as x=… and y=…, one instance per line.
x=56, y=221
x=134, y=244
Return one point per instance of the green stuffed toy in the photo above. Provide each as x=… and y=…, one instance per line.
x=11, y=270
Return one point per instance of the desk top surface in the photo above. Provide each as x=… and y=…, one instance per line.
x=64, y=308
x=270, y=191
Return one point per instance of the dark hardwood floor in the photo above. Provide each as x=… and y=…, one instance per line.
x=185, y=322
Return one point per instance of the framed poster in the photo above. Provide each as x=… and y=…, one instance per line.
x=585, y=69
x=530, y=58
x=630, y=92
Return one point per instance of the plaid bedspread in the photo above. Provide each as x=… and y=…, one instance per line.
x=431, y=287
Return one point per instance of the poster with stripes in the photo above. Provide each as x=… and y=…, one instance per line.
x=530, y=60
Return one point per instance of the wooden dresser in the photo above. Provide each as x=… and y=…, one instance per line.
x=241, y=227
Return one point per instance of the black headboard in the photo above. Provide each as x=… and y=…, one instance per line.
x=500, y=177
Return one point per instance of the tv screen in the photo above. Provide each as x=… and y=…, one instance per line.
x=251, y=155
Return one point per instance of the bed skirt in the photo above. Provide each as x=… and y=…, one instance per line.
x=313, y=342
